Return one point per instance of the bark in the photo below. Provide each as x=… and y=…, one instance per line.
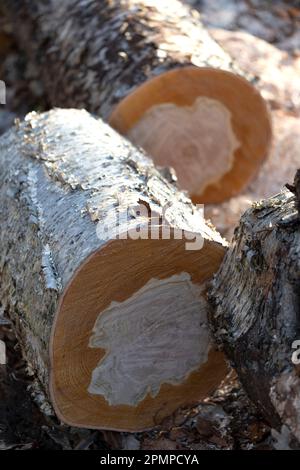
x=150, y=64
x=256, y=295
x=61, y=173
x=92, y=54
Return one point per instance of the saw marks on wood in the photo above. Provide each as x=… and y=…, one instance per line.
x=142, y=337
x=197, y=141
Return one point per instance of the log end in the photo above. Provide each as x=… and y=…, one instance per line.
x=130, y=343
x=211, y=126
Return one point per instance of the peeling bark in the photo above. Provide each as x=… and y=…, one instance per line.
x=126, y=60
x=256, y=295
x=92, y=54
x=64, y=175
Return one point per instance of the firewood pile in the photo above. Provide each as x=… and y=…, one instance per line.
x=149, y=225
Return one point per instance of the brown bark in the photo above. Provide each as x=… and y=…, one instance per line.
x=64, y=178
x=257, y=306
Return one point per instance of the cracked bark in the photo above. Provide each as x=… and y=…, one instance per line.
x=257, y=306
x=92, y=54
x=118, y=59
x=64, y=176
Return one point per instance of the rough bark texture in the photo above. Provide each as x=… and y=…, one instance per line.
x=256, y=295
x=91, y=53
x=60, y=174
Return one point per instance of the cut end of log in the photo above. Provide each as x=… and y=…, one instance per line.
x=118, y=292
x=130, y=343
x=210, y=125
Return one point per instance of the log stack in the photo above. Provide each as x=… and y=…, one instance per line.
x=108, y=302
x=125, y=314
x=153, y=71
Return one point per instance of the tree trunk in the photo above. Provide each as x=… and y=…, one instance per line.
x=256, y=295
x=153, y=71
x=125, y=313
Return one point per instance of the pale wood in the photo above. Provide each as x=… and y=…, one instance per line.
x=247, y=136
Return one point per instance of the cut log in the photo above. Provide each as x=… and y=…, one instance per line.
x=126, y=312
x=256, y=295
x=153, y=71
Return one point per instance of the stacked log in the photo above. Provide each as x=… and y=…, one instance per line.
x=153, y=71
x=125, y=313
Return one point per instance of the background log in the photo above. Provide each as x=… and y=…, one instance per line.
x=257, y=302
x=278, y=73
x=116, y=307
x=151, y=68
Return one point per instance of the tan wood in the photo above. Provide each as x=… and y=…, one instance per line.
x=249, y=130
x=131, y=265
